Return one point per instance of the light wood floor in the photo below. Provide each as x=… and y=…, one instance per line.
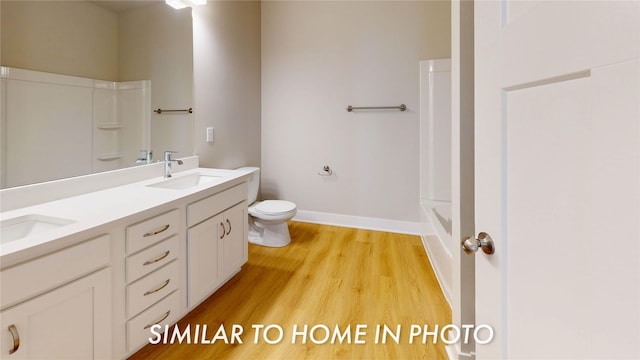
x=327, y=275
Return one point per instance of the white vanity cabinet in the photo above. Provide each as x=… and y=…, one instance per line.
x=152, y=275
x=59, y=305
x=94, y=289
x=217, y=241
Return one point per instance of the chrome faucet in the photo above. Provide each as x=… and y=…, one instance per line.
x=167, y=163
x=148, y=157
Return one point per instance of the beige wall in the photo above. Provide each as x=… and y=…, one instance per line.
x=52, y=36
x=227, y=82
x=156, y=43
x=274, y=78
x=317, y=58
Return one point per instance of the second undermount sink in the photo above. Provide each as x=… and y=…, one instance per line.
x=28, y=225
x=185, y=181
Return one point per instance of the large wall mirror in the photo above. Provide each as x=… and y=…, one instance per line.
x=137, y=54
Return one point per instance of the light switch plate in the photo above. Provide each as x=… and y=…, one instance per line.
x=209, y=134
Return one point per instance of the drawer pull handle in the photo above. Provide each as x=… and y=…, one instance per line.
x=229, y=222
x=224, y=230
x=158, y=289
x=16, y=338
x=149, y=262
x=166, y=315
x=151, y=233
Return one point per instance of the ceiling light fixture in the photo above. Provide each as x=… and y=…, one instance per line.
x=181, y=4
x=176, y=4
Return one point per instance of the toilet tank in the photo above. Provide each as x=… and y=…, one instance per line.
x=254, y=182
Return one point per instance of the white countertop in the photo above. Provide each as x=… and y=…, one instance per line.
x=101, y=207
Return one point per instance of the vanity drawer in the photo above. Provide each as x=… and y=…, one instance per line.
x=214, y=204
x=153, y=258
x=165, y=312
x=151, y=288
x=49, y=271
x=152, y=230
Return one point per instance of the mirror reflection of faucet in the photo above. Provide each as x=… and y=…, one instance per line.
x=167, y=162
x=147, y=159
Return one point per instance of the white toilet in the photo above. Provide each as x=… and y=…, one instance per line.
x=267, y=219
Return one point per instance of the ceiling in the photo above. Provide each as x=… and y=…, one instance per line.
x=118, y=6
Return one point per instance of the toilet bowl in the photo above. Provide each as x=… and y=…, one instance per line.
x=267, y=219
x=268, y=222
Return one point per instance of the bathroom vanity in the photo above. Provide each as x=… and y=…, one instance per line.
x=88, y=265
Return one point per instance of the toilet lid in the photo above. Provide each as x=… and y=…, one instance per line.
x=275, y=207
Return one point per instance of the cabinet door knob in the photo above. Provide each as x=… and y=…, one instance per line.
x=13, y=330
x=229, y=231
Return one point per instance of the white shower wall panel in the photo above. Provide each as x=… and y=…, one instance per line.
x=435, y=130
x=436, y=167
x=440, y=131
x=104, y=112
x=46, y=126
x=134, y=114
x=58, y=126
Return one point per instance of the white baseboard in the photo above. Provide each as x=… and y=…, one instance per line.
x=360, y=222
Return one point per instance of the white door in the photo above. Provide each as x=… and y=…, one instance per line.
x=557, y=128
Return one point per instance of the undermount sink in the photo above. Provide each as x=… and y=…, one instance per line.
x=185, y=181
x=27, y=225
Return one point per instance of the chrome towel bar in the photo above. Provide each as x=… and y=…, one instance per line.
x=160, y=111
x=402, y=107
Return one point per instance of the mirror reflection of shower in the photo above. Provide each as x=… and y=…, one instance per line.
x=435, y=145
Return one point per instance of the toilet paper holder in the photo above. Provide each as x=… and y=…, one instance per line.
x=326, y=171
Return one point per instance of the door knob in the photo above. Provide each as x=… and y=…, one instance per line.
x=484, y=242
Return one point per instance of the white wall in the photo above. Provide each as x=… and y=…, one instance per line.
x=317, y=58
x=226, y=73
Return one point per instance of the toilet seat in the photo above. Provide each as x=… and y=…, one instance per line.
x=275, y=207
x=273, y=210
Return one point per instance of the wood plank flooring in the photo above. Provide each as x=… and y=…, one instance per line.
x=329, y=276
